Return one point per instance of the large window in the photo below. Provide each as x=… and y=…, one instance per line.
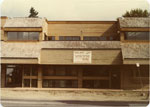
x=47, y=83
x=69, y=38
x=23, y=36
x=59, y=71
x=137, y=35
x=95, y=38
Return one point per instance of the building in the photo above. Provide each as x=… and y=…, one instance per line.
x=39, y=53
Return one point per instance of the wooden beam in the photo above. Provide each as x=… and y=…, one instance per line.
x=134, y=61
x=23, y=29
x=60, y=77
x=96, y=78
x=30, y=77
x=19, y=61
x=81, y=22
x=135, y=29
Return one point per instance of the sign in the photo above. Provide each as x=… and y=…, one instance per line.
x=82, y=57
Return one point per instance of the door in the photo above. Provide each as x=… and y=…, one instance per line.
x=115, y=79
x=13, y=76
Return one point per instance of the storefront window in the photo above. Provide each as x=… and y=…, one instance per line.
x=26, y=82
x=96, y=84
x=27, y=70
x=34, y=82
x=97, y=71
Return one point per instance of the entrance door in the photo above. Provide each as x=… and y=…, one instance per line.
x=115, y=79
x=13, y=76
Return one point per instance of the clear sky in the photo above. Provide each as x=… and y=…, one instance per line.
x=72, y=9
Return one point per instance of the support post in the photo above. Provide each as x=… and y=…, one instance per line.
x=57, y=37
x=122, y=78
x=110, y=79
x=122, y=36
x=40, y=77
x=81, y=35
x=3, y=76
x=80, y=73
x=23, y=78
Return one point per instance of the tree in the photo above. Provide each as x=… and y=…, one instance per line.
x=33, y=13
x=136, y=13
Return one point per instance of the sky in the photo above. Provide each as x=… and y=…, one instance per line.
x=94, y=10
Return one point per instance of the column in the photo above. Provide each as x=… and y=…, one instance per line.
x=39, y=76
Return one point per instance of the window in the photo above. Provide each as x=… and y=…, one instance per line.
x=48, y=71
x=69, y=38
x=137, y=35
x=23, y=36
x=49, y=38
x=60, y=83
x=95, y=38
x=30, y=72
x=96, y=84
x=97, y=71
x=34, y=82
x=26, y=83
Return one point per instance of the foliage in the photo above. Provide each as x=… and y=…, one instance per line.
x=136, y=13
x=33, y=13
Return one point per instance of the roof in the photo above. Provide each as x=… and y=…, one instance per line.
x=32, y=49
x=134, y=22
x=24, y=22
x=135, y=50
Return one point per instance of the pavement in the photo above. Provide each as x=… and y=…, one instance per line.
x=21, y=97
x=67, y=103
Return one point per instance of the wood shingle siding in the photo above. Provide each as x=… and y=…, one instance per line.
x=134, y=22
x=99, y=57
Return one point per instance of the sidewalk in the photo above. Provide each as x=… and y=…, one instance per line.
x=73, y=94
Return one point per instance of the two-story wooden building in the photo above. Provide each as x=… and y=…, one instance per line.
x=39, y=53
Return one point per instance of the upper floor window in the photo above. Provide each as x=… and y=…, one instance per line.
x=69, y=38
x=137, y=35
x=22, y=36
x=95, y=38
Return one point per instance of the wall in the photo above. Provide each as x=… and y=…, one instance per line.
x=129, y=81
x=101, y=57
x=82, y=29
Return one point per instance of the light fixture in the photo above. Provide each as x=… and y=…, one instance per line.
x=137, y=65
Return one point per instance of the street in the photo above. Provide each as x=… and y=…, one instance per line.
x=49, y=103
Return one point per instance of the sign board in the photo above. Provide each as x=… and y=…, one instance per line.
x=82, y=57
